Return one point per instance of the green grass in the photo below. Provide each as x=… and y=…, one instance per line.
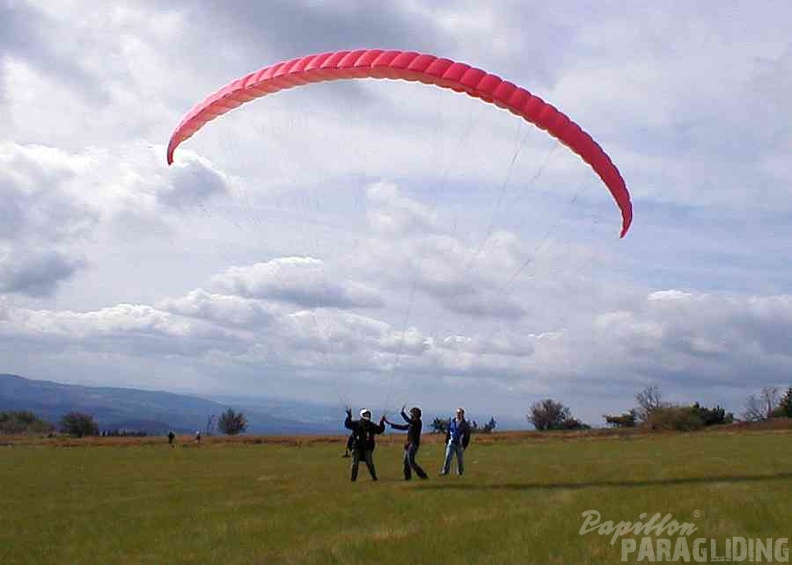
x=520, y=501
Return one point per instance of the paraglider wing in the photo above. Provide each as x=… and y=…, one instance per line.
x=411, y=66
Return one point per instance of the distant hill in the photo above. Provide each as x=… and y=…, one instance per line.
x=156, y=412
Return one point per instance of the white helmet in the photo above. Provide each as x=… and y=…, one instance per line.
x=365, y=414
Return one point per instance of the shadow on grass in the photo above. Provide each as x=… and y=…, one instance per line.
x=454, y=482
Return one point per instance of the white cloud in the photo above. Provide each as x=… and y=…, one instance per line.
x=222, y=309
x=393, y=214
x=124, y=322
x=721, y=338
x=299, y=280
x=34, y=272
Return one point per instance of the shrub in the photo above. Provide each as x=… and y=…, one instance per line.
x=23, y=422
x=712, y=416
x=439, y=426
x=79, y=424
x=786, y=404
x=626, y=420
x=674, y=418
x=232, y=423
x=549, y=414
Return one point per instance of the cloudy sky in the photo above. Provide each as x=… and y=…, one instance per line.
x=382, y=242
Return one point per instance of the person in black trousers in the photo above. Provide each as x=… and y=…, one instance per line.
x=413, y=426
x=364, y=431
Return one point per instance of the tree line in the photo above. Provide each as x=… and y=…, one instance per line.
x=81, y=424
x=653, y=413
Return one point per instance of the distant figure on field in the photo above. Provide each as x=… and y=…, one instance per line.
x=413, y=427
x=171, y=437
x=198, y=437
x=457, y=440
x=364, y=431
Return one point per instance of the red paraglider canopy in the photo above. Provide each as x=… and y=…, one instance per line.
x=411, y=66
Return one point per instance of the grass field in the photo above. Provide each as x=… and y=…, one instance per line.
x=255, y=501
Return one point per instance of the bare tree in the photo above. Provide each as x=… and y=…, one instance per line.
x=761, y=408
x=649, y=400
x=211, y=422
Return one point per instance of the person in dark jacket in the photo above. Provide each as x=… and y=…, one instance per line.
x=457, y=440
x=413, y=427
x=364, y=431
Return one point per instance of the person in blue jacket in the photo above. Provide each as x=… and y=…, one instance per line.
x=457, y=440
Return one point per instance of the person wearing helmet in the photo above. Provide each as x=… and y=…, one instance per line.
x=364, y=431
x=413, y=426
x=457, y=440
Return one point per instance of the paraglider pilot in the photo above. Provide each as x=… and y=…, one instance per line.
x=364, y=431
x=413, y=426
